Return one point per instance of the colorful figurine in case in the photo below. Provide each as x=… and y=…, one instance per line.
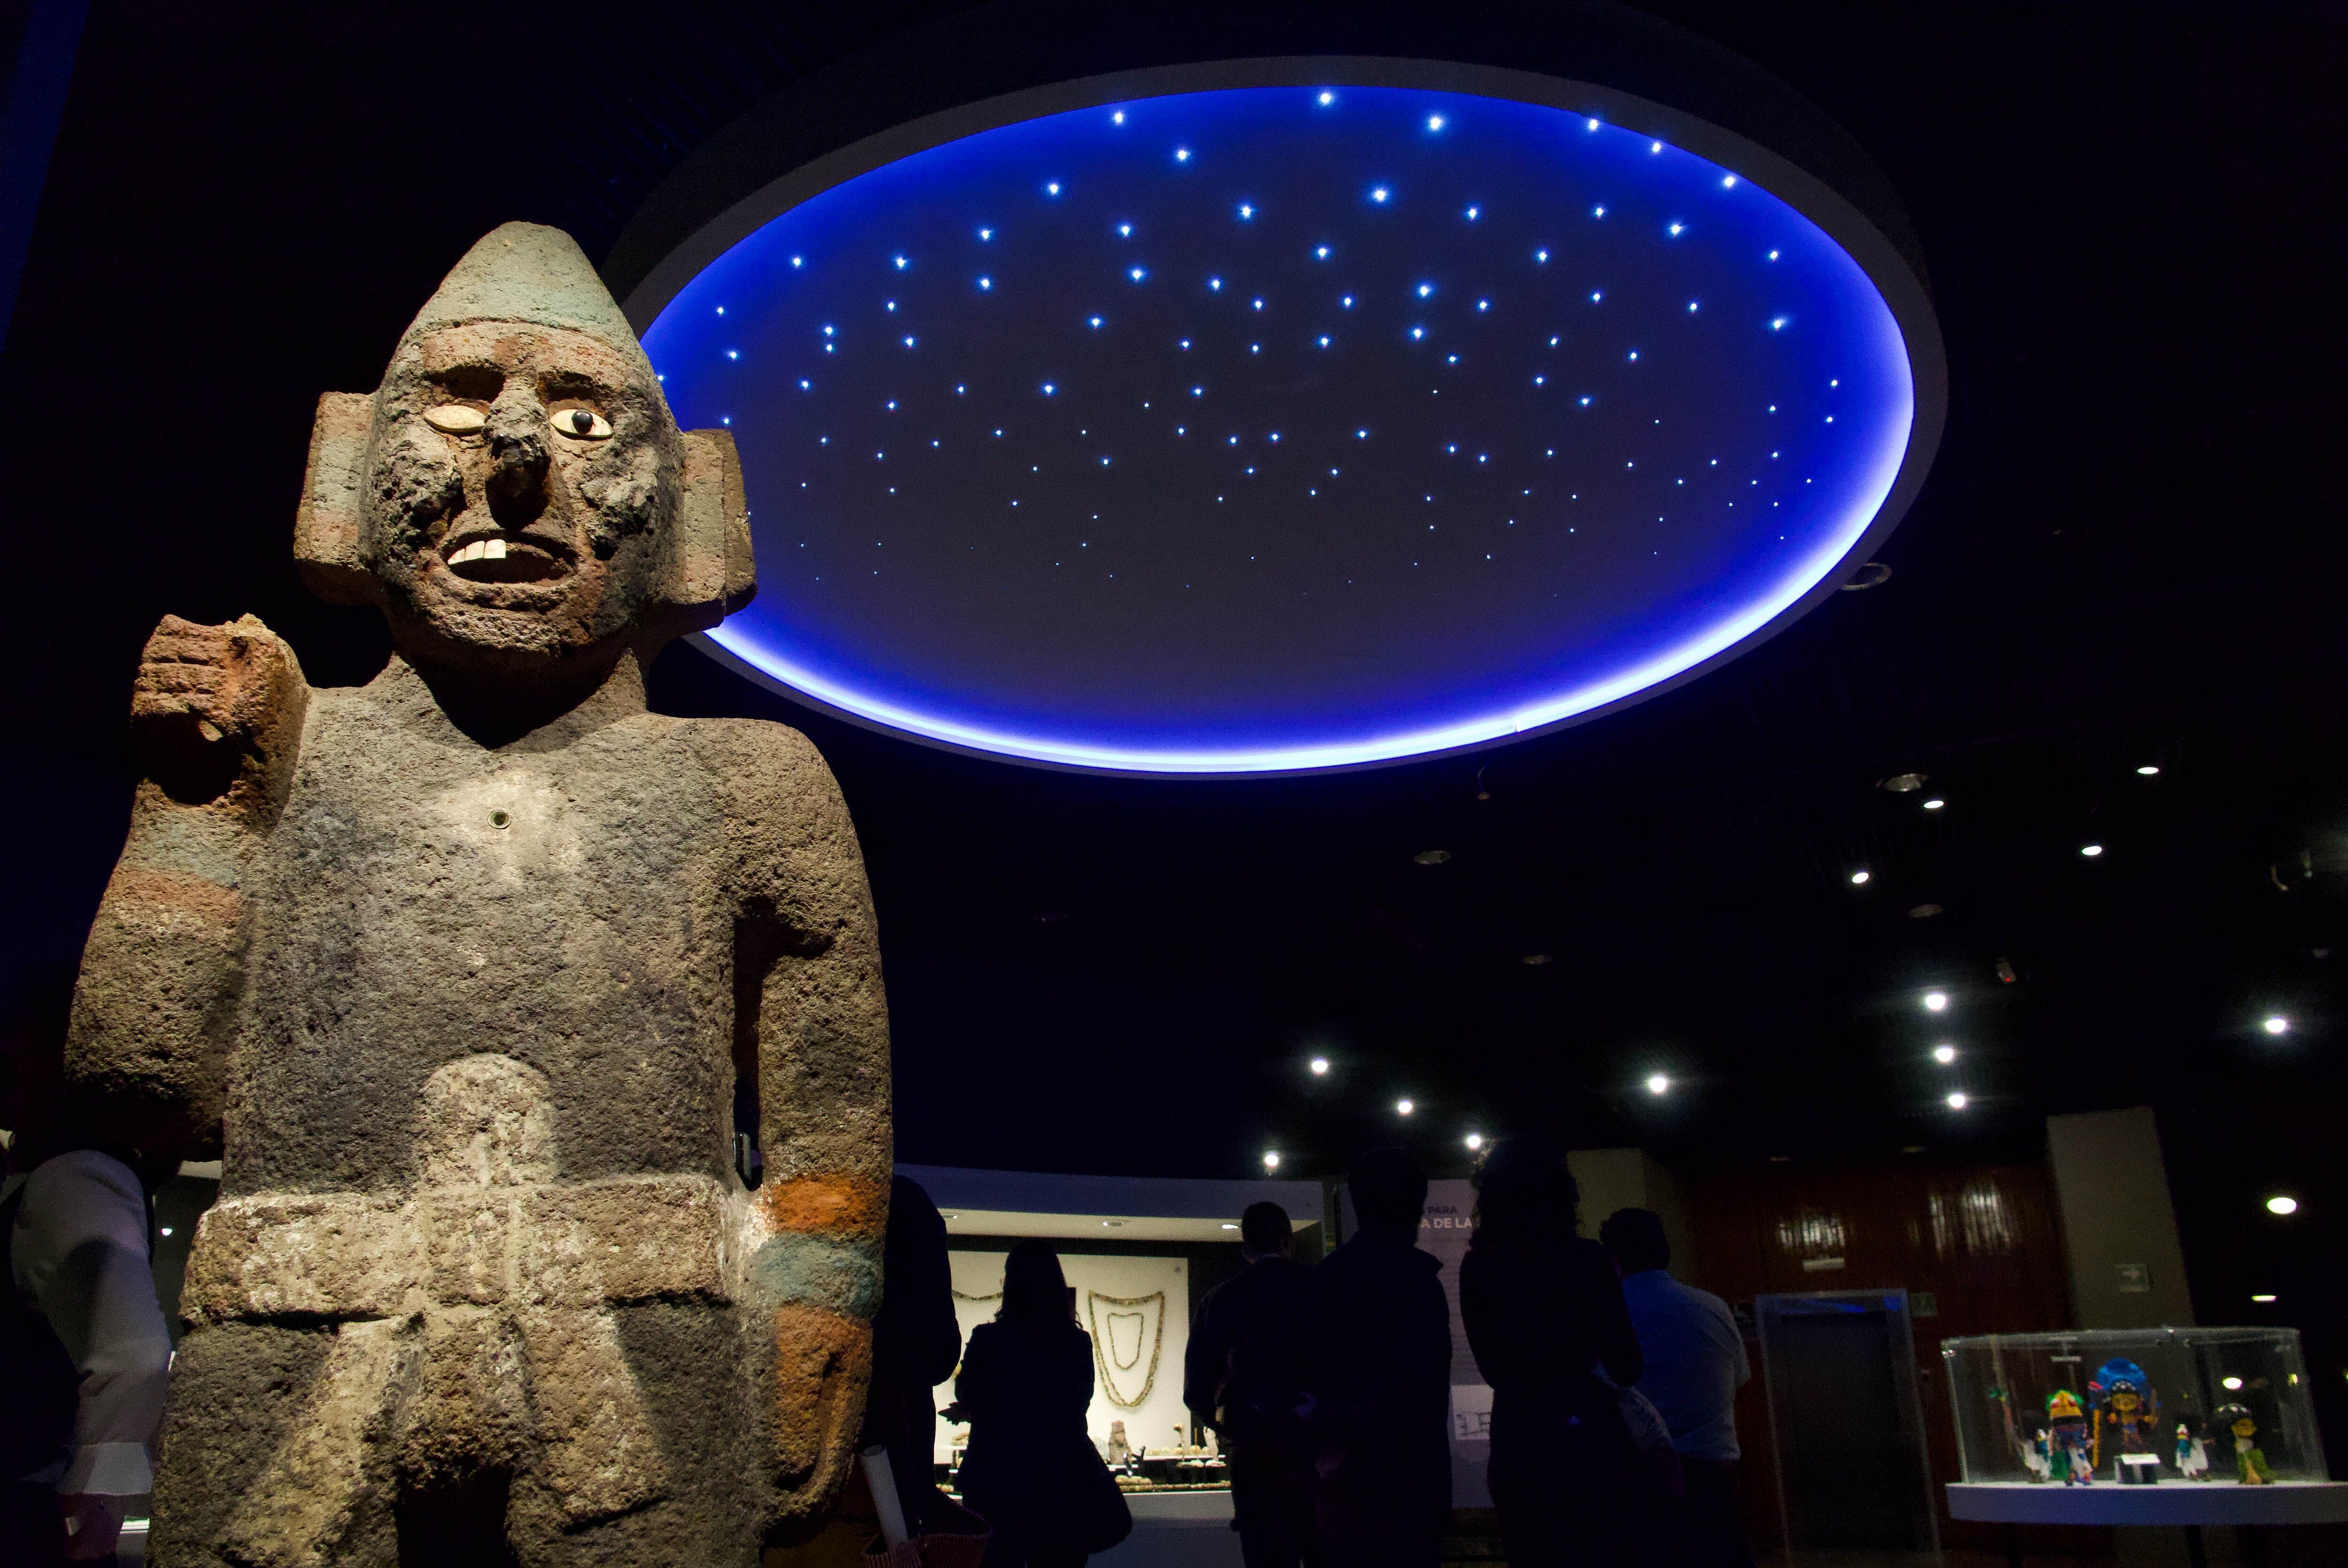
x=2036, y=1457
x=2192, y=1454
x=2127, y=1412
x=2067, y=1455
x=2248, y=1455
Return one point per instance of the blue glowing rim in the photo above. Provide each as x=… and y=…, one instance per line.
x=1877, y=499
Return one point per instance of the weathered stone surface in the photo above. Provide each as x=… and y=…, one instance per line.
x=464, y=972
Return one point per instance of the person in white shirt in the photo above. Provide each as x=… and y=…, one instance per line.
x=85, y=1356
x=1695, y=1362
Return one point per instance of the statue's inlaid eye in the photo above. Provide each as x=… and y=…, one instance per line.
x=581, y=424
x=455, y=419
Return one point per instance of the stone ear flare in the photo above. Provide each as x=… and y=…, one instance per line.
x=709, y=574
x=326, y=529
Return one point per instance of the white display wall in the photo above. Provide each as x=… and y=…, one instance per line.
x=1138, y=1311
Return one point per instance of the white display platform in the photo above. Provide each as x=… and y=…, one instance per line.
x=2167, y=1503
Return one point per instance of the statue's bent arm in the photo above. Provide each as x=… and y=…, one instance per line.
x=217, y=712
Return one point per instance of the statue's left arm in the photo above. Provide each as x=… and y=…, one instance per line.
x=808, y=1001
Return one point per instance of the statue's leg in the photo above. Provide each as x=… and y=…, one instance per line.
x=641, y=1453
x=271, y=1454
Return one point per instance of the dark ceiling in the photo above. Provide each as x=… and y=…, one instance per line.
x=2130, y=552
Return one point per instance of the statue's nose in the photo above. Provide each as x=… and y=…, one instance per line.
x=518, y=446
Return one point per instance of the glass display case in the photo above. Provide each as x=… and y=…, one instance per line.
x=2189, y=1407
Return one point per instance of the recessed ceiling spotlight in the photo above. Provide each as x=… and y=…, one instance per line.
x=2262, y=1298
x=2091, y=850
x=1936, y=1001
x=1901, y=783
x=1404, y=1108
x=1432, y=857
x=1858, y=878
x=1658, y=1084
x=1934, y=804
x=2149, y=770
x=1474, y=1140
x=2276, y=1025
x=1320, y=1066
x=1537, y=959
x=1272, y=1159
x=1874, y=574
x=1958, y=1101
x=1924, y=912
x=2280, y=1205
x=2231, y=1384
x=1944, y=1055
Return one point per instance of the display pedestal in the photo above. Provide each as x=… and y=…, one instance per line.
x=2186, y=1504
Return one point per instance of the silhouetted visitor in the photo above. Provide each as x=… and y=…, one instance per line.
x=1696, y=1363
x=1243, y=1376
x=915, y=1344
x=84, y=1352
x=1379, y=1379
x=1027, y=1381
x=1544, y=1313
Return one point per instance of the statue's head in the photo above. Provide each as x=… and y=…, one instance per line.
x=516, y=496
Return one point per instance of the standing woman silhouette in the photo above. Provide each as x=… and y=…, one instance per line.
x=1026, y=1382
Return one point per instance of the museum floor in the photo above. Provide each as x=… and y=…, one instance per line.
x=1169, y=1543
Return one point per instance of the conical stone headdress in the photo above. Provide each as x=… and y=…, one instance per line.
x=528, y=272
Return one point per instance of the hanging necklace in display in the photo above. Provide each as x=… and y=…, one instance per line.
x=1109, y=1363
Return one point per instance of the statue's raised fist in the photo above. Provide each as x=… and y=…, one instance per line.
x=214, y=706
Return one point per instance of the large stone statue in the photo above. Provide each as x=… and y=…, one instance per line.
x=491, y=988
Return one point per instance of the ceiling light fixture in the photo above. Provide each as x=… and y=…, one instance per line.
x=1320, y=1066
x=1944, y=1055
x=1432, y=857
x=952, y=651
x=2148, y=771
x=1902, y=783
x=1658, y=1084
x=1934, y=804
x=2276, y=1024
x=1958, y=1101
x=1936, y=1001
x=1404, y=1108
x=2262, y=1298
x=1272, y=1159
x=2281, y=1204
x=1858, y=878
x=2091, y=850
x=1474, y=1140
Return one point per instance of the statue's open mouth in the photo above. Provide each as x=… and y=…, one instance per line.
x=503, y=559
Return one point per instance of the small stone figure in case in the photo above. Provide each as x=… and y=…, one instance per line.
x=2067, y=1455
x=2192, y=1454
x=2248, y=1455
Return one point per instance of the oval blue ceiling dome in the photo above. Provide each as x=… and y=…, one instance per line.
x=1272, y=428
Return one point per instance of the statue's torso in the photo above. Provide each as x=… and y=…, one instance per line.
x=423, y=899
